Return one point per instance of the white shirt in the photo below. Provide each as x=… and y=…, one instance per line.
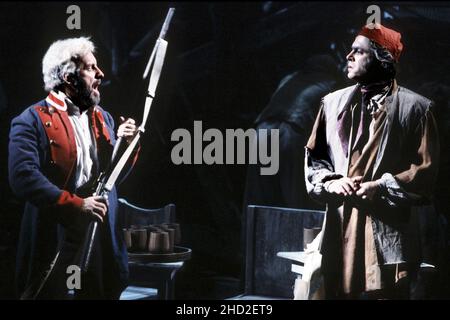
x=84, y=141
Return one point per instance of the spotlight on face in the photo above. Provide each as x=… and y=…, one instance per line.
x=87, y=82
x=359, y=59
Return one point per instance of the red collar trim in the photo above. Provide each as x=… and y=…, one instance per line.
x=57, y=100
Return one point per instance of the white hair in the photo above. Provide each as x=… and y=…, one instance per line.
x=59, y=59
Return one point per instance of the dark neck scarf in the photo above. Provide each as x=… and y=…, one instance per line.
x=373, y=94
x=372, y=97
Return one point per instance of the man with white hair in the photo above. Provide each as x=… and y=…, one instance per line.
x=372, y=156
x=58, y=147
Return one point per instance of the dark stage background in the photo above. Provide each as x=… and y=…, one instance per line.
x=224, y=62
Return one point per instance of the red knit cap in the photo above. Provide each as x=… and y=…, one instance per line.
x=385, y=37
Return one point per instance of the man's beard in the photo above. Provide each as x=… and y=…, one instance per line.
x=84, y=96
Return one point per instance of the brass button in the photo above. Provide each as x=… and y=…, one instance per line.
x=52, y=141
x=48, y=124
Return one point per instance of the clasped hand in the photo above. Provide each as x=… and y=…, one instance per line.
x=351, y=187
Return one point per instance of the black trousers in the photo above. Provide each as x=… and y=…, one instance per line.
x=101, y=281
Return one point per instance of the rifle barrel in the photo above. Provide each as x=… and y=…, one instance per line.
x=162, y=35
x=166, y=24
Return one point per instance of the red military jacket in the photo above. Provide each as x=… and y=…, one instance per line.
x=61, y=139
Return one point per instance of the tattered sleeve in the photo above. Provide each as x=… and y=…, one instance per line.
x=319, y=169
x=415, y=185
